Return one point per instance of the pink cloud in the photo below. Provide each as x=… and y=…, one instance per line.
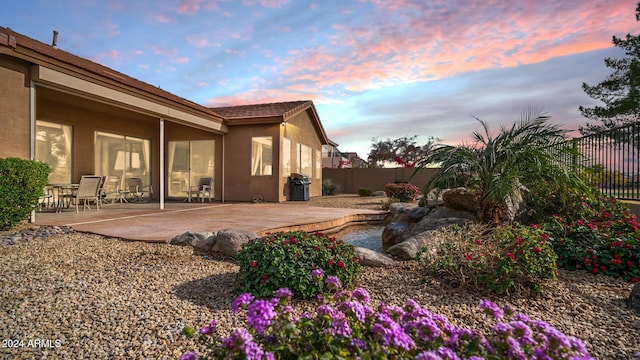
x=410, y=40
x=259, y=96
x=198, y=41
x=162, y=18
x=268, y=3
x=171, y=54
x=189, y=6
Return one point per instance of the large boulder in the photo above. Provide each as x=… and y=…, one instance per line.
x=460, y=199
x=426, y=241
x=406, y=224
x=393, y=233
x=202, y=242
x=230, y=241
x=372, y=258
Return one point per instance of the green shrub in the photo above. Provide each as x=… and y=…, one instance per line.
x=405, y=192
x=386, y=204
x=509, y=259
x=364, y=191
x=22, y=182
x=329, y=188
x=600, y=235
x=286, y=259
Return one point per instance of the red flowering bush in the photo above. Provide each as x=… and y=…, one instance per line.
x=405, y=192
x=601, y=236
x=286, y=259
x=508, y=259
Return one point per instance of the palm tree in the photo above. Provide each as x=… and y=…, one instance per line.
x=500, y=168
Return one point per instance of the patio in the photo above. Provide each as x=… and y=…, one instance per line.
x=146, y=222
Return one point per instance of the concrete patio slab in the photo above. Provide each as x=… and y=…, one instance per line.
x=146, y=222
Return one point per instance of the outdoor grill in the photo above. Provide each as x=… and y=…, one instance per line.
x=299, y=187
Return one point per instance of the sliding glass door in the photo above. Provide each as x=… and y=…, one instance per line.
x=187, y=162
x=122, y=157
x=53, y=146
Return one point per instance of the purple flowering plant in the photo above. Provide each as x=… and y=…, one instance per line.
x=346, y=325
x=286, y=259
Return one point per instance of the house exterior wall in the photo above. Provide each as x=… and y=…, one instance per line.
x=300, y=130
x=239, y=184
x=14, y=108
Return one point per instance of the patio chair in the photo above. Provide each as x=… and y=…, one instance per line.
x=205, y=186
x=111, y=190
x=46, y=199
x=88, y=190
x=137, y=189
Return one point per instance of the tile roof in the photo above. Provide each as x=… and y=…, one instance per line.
x=44, y=54
x=272, y=110
x=271, y=113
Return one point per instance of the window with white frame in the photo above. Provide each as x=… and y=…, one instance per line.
x=305, y=160
x=261, y=156
x=286, y=157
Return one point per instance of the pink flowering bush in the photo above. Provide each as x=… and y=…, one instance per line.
x=286, y=259
x=345, y=325
x=506, y=259
x=405, y=192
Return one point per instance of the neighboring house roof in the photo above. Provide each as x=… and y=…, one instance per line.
x=40, y=53
x=271, y=113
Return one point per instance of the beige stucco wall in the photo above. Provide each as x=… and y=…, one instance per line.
x=241, y=186
x=14, y=108
x=300, y=130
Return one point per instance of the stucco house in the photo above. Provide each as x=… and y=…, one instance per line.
x=84, y=118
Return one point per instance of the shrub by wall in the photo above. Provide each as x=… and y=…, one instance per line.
x=405, y=192
x=22, y=182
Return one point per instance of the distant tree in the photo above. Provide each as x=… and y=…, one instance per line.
x=404, y=151
x=620, y=91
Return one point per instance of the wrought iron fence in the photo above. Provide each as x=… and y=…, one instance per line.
x=612, y=160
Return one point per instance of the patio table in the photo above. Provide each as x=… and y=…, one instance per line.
x=63, y=193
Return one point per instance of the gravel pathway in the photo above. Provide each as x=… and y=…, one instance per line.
x=75, y=295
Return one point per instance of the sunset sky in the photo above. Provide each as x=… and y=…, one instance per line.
x=373, y=68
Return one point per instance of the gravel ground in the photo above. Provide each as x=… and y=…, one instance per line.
x=75, y=295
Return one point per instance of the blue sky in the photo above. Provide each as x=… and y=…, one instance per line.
x=373, y=68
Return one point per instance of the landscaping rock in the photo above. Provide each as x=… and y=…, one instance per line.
x=393, y=233
x=461, y=199
x=229, y=241
x=633, y=302
x=379, y=193
x=417, y=213
x=400, y=207
x=202, y=242
x=372, y=258
x=404, y=225
x=407, y=249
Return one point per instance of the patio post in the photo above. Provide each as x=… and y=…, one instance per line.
x=161, y=164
